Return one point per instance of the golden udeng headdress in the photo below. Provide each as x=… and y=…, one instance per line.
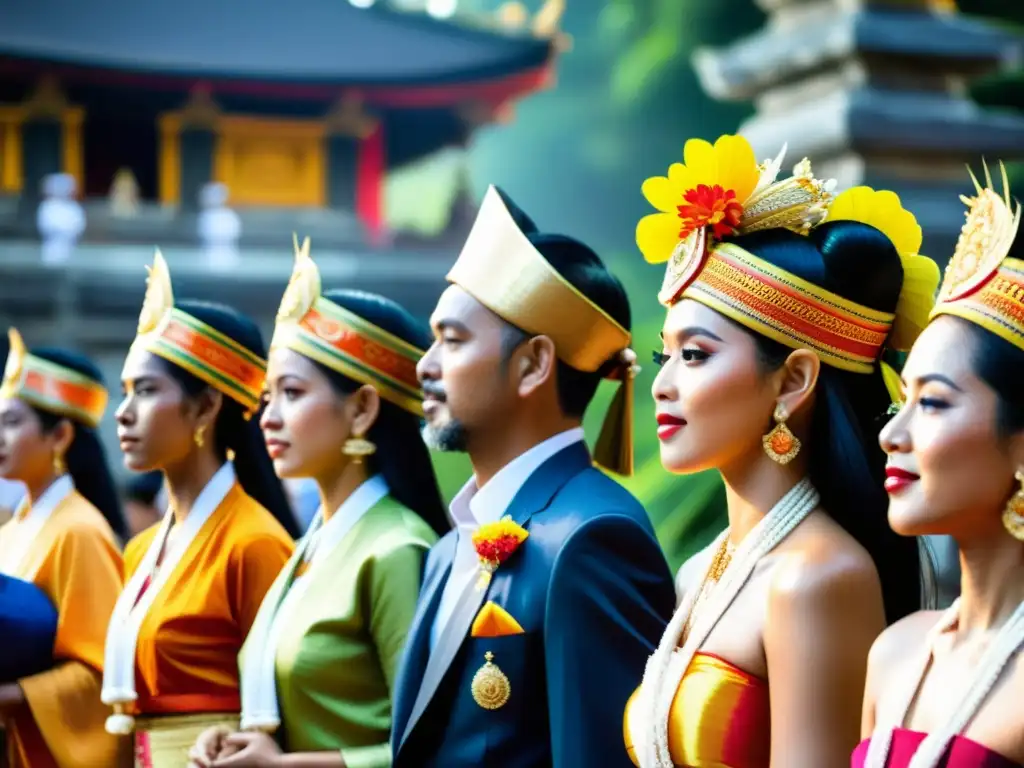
x=51, y=387
x=209, y=355
x=720, y=190
x=331, y=335
x=982, y=284
x=505, y=272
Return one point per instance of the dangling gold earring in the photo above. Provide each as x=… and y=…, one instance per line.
x=1013, y=515
x=199, y=436
x=781, y=444
x=358, y=448
x=59, y=467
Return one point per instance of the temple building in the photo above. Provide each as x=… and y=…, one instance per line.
x=302, y=106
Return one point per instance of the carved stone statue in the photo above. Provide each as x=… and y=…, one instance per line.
x=60, y=218
x=219, y=227
x=124, y=195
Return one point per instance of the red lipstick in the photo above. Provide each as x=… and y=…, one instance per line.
x=668, y=425
x=897, y=480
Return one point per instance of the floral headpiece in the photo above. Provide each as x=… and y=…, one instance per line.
x=321, y=330
x=982, y=284
x=719, y=191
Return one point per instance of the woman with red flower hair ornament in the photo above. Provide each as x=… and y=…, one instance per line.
x=782, y=301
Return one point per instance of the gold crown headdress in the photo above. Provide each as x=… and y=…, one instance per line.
x=720, y=191
x=51, y=387
x=505, y=272
x=206, y=353
x=982, y=283
x=331, y=335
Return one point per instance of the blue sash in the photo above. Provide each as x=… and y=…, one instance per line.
x=28, y=627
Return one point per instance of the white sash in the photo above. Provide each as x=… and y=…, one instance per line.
x=993, y=661
x=260, y=710
x=130, y=610
x=668, y=664
x=25, y=530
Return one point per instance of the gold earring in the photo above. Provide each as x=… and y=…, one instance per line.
x=199, y=436
x=59, y=467
x=1013, y=515
x=781, y=444
x=358, y=448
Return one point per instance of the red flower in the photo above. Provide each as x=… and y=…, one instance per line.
x=710, y=207
x=495, y=542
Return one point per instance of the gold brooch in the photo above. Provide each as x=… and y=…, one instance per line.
x=491, y=689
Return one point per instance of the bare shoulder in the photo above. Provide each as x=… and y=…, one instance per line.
x=892, y=648
x=823, y=569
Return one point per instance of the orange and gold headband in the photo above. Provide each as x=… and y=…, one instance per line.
x=501, y=268
x=191, y=344
x=721, y=191
x=331, y=335
x=50, y=386
x=982, y=284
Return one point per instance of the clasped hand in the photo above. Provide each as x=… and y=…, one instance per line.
x=219, y=747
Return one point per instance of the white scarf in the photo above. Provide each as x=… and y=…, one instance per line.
x=27, y=523
x=130, y=611
x=666, y=667
x=260, y=710
x=995, y=658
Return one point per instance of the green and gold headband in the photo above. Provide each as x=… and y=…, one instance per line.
x=50, y=386
x=319, y=329
x=206, y=353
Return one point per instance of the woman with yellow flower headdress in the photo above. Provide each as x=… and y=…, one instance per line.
x=781, y=302
x=64, y=539
x=343, y=406
x=945, y=689
x=194, y=583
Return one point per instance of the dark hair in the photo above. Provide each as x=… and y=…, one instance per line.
x=232, y=430
x=402, y=457
x=1000, y=365
x=86, y=459
x=144, y=488
x=584, y=270
x=847, y=466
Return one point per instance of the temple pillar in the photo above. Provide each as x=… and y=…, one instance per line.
x=355, y=162
x=188, y=141
x=873, y=92
x=50, y=141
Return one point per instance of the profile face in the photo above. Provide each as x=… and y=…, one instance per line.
x=712, y=400
x=26, y=450
x=466, y=384
x=153, y=425
x=948, y=470
x=304, y=421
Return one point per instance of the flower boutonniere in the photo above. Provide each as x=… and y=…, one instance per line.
x=495, y=543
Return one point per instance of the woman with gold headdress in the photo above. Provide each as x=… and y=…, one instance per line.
x=781, y=301
x=343, y=407
x=945, y=689
x=64, y=539
x=194, y=583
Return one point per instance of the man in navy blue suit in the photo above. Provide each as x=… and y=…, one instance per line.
x=527, y=657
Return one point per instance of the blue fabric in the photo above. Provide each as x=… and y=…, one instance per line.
x=593, y=593
x=28, y=626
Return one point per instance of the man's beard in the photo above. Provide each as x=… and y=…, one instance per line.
x=449, y=437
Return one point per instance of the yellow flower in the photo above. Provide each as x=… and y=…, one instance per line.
x=495, y=542
x=729, y=164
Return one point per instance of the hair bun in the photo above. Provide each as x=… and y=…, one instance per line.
x=860, y=262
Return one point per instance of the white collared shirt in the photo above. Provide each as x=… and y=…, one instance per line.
x=28, y=525
x=473, y=507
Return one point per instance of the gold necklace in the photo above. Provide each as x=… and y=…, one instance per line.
x=714, y=573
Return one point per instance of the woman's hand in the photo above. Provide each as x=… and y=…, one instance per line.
x=248, y=750
x=208, y=747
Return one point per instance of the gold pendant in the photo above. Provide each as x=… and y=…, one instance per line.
x=491, y=689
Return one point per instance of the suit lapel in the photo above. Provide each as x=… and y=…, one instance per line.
x=535, y=495
x=418, y=643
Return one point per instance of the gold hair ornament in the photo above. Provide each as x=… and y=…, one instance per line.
x=51, y=387
x=206, y=353
x=982, y=283
x=501, y=268
x=317, y=328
